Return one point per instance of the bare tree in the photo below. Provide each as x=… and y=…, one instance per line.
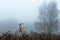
x=48, y=18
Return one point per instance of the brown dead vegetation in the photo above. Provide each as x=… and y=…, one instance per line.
x=33, y=36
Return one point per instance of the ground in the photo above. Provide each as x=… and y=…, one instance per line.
x=33, y=36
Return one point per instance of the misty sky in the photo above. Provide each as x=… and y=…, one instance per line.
x=22, y=10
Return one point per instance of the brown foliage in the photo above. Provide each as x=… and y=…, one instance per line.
x=33, y=36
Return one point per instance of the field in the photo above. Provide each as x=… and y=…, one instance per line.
x=33, y=36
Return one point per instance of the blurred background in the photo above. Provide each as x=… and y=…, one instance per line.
x=14, y=12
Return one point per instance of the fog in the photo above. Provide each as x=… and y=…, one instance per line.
x=13, y=12
x=24, y=11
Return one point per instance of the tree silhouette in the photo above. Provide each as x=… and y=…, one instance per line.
x=48, y=18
